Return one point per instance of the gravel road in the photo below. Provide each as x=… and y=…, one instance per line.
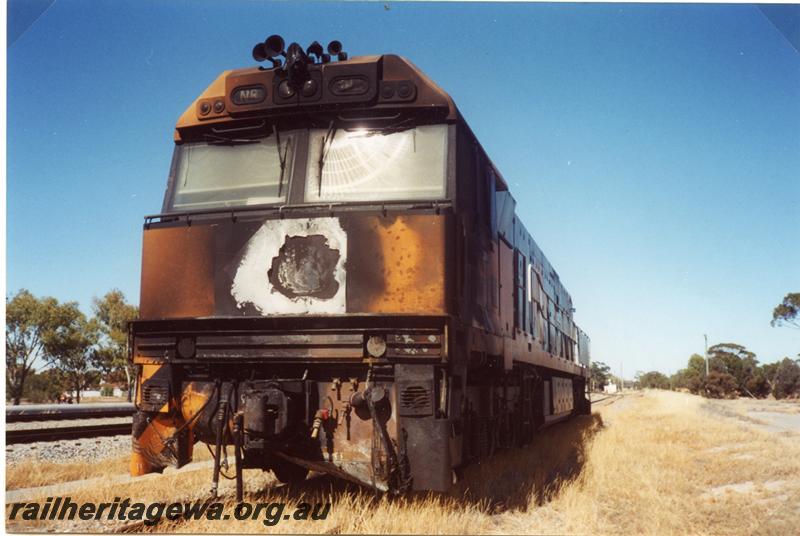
x=774, y=416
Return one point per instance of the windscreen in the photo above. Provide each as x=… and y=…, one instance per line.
x=227, y=173
x=376, y=165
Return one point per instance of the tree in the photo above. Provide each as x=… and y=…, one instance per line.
x=600, y=374
x=733, y=370
x=786, y=312
x=71, y=348
x=735, y=360
x=692, y=377
x=44, y=386
x=29, y=322
x=113, y=314
x=768, y=370
x=759, y=384
x=787, y=378
x=720, y=385
x=696, y=365
x=680, y=380
x=653, y=380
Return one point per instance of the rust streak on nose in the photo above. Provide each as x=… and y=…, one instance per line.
x=412, y=248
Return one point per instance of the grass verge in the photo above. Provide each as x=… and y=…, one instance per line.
x=647, y=464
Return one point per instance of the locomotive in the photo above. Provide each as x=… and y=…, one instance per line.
x=339, y=281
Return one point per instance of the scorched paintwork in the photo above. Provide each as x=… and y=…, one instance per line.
x=300, y=281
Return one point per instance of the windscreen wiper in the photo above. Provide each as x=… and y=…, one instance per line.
x=281, y=157
x=326, y=140
x=213, y=139
x=400, y=126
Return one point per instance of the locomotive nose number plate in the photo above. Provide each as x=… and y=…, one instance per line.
x=249, y=95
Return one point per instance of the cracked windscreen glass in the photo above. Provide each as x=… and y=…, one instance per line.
x=376, y=165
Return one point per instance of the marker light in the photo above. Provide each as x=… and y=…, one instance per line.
x=309, y=87
x=285, y=90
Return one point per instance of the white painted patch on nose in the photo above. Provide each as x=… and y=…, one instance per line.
x=252, y=284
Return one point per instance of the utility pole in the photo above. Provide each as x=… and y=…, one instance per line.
x=621, y=379
x=705, y=336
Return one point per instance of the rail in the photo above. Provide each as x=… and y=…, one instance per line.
x=33, y=435
x=62, y=412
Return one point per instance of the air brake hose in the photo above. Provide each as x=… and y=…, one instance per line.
x=237, y=443
x=171, y=439
x=222, y=415
x=401, y=480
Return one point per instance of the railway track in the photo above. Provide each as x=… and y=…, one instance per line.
x=85, y=417
x=610, y=399
x=33, y=435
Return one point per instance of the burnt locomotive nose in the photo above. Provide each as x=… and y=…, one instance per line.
x=305, y=267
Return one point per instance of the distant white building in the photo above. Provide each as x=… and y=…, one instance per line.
x=94, y=393
x=88, y=393
x=610, y=388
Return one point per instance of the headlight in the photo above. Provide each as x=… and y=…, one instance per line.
x=186, y=347
x=350, y=85
x=376, y=346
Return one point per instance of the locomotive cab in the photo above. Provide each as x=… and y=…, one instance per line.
x=337, y=282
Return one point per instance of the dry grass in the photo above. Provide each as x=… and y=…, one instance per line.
x=36, y=472
x=41, y=473
x=652, y=464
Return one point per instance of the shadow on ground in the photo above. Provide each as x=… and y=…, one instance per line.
x=516, y=478
x=512, y=479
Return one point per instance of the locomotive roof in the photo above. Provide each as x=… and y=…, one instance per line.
x=378, y=71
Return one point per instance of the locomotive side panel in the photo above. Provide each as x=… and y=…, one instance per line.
x=524, y=368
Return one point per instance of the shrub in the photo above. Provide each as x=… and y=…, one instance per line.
x=758, y=385
x=720, y=385
x=787, y=379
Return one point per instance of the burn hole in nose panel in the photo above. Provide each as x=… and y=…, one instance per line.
x=305, y=267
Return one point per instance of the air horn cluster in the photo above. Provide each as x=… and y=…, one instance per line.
x=273, y=48
x=294, y=66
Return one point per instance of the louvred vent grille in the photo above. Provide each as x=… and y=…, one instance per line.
x=416, y=400
x=154, y=396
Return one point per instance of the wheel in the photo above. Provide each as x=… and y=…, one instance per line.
x=289, y=473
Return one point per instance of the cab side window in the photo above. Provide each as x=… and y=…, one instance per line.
x=485, y=190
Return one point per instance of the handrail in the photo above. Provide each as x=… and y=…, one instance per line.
x=379, y=205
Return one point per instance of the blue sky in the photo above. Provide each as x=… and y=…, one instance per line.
x=654, y=150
